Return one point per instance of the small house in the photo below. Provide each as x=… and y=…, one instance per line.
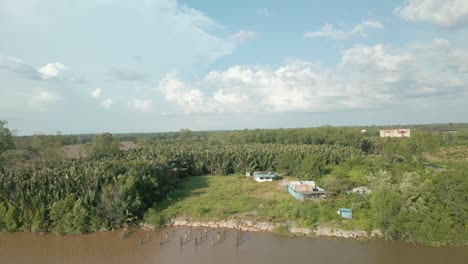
x=263, y=176
x=345, y=213
x=305, y=190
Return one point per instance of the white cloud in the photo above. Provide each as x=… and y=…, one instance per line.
x=177, y=91
x=444, y=13
x=227, y=98
x=373, y=56
x=329, y=31
x=51, y=70
x=247, y=89
x=143, y=105
x=96, y=93
x=42, y=99
x=367, y=77
x=243, y=36
x=107, y=103
x=422, y=70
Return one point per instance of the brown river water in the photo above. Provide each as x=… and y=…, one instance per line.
x=258, y=248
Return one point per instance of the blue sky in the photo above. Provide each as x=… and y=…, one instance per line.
x=161, y=65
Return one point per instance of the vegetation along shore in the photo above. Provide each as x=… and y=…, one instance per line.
x=418, y=184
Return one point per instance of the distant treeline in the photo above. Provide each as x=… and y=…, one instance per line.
x=347, y=136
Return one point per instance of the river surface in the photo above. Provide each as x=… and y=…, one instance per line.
x=145, y=247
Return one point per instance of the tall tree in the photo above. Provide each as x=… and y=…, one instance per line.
x=104, y=144
x=6, y=139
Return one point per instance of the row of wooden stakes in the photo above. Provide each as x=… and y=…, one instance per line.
x=199, y=237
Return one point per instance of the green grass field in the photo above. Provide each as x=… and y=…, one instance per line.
x=221, y=197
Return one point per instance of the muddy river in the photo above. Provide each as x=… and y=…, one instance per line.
x=145, y=247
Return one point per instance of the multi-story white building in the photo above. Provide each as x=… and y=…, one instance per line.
x=398, y=133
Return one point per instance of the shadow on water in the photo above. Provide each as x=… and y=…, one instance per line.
x=245, y=237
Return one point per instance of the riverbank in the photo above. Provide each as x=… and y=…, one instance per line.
x=291, y=229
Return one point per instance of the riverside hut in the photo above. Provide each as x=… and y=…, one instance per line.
x=345, y=213
x=263, y=176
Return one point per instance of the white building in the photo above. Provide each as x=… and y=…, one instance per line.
x=397, y=133
x=263, y=176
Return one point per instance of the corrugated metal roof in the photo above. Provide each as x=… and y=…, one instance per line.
x=264, y=174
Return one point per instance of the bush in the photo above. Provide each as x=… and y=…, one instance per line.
x=282, y=230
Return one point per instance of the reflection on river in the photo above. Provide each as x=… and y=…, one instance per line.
x=107, y=247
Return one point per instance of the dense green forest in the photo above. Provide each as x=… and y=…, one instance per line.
x=419, y=184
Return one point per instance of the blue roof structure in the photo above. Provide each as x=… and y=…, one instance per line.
x=345, y=213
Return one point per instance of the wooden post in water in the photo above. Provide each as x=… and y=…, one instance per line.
x=173, y=230
x=196, y=242
x=212, y=241
x=167, y=235
x=218, y=235
x=180, y=241
x=237, y=238
x=201, y=235
x=185, y=234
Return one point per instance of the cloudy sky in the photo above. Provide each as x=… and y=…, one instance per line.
x=162, y=65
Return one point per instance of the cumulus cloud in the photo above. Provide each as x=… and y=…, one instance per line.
x=143, y=105
x=366, y=77
x=422, y=70
x=96, y=93
x=443, y=13
x=107, y=103
x=329, y=31
x=191, y=99
x=243, y=36
x=363, y=57
x=247, y=89
x=51, y=70
x=42, y=100
x=19, y=67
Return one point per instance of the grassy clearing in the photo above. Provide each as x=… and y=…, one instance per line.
x=223, y=197
x=220, y=197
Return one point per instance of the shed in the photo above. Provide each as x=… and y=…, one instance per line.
x=345, y=213
x=305, y=190
x=263, y=176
